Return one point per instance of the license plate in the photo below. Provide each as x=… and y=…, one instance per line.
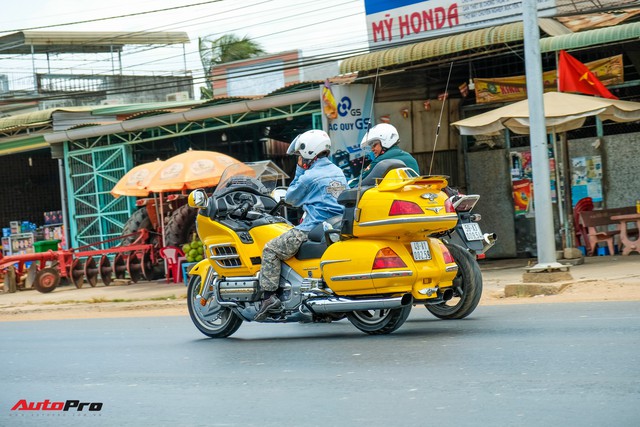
x=420, y=251
x=472, y=231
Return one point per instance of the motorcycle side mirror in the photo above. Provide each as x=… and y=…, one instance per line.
x=198, y=199
x=279, y=193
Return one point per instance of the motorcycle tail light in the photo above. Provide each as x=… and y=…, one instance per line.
x=448, y=258
x=402, y=207
x=448, y=206
x=387, y=258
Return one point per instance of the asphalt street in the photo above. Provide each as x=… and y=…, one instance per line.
x=512, y=365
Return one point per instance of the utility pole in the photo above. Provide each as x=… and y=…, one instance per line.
x=545, y=238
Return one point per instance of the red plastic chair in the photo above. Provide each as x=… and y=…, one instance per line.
x=584, y=204
x=174, y=257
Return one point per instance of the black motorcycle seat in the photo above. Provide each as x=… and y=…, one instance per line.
x=311, y=250
x=317, y=233
x=316, y=245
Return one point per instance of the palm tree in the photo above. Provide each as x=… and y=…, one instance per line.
x=224, y=49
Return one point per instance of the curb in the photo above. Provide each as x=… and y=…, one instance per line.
x=524, y=290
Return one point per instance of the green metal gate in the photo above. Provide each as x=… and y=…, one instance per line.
x=94, y=214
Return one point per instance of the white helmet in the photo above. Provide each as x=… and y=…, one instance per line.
x=310, y=144
x=384, y=133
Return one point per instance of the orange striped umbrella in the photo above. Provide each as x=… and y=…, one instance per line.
x=189, y=170
x=134, y=182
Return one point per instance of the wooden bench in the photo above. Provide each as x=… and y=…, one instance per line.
x=601, y=228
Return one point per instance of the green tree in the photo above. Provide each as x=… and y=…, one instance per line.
x=224, y=49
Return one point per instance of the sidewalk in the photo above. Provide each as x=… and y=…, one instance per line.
x=603, y=278
x=601, y=272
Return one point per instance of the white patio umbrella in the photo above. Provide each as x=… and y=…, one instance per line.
x=563, y=112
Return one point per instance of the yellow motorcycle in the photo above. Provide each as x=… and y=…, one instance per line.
x=371, y=265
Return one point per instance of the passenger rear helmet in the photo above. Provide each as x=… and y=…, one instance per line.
x=384, y=133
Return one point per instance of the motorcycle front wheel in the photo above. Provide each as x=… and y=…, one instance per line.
x=211, y=319
x=379, y=322
x=467, y=287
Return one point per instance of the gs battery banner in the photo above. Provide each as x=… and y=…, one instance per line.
x=354, y=111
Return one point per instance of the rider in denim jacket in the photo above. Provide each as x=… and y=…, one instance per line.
x=315, y=188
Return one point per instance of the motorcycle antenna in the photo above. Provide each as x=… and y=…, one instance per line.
x=373, y=97
x=446, y=96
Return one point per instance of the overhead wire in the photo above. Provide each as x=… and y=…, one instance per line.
x=128, y=15
x=286, y=17
x=336, y=54
x=278, y=32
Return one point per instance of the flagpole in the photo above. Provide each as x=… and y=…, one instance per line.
x=545, y=236
x=561, y=188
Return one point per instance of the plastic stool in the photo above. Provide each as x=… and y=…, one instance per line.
x=185, y=271
x=603, y=251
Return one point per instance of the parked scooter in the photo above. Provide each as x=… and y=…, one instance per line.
x=371, y=265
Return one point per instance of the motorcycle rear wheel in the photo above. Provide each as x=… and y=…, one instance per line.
x=219, y=325
x=467, y=287
x=379, y=322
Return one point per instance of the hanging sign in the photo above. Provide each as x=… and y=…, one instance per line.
x=391, y=22
x=609, y=71
x=354, y=110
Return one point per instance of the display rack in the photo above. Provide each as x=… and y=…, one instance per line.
x=18, y=244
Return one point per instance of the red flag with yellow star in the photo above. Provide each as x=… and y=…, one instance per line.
x=574, y=76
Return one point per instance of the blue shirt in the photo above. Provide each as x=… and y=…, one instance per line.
x=317, y=189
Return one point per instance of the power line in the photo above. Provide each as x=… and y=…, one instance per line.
x=110, y=17
x=337, y=54
x=280, y=17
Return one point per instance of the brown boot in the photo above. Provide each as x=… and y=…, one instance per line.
x=271, y=303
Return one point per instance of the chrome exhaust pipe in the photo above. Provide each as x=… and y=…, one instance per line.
x=344, y=304
x=488, y=240
x=447, y=294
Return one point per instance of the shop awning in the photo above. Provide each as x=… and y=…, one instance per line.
x=435, y=48
x=591, y=37
x=22, y=144
x=485, y=39
x=26, y=42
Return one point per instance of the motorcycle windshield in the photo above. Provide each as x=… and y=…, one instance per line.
x=258, y=176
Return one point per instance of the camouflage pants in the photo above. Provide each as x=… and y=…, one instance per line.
x=282, y=248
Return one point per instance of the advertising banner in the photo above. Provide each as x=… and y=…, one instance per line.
x=586, y=178
x=609, y=71
x=354, y=107
x=391, y=22
x=522, y=182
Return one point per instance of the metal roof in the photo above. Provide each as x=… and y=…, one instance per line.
x=83, y=41
x=435, y=48
x=591, y=37
x=35, y=118
x=72, y=118
x=121, y=109
x=22, y=144
x=485, y=38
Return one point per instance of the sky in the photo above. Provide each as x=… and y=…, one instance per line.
x=316, y=28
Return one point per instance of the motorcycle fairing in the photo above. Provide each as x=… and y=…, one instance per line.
x=347, y=269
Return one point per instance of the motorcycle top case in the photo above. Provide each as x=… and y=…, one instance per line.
x=378, y=213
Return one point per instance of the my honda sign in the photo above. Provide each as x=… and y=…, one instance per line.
x=391, y=22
